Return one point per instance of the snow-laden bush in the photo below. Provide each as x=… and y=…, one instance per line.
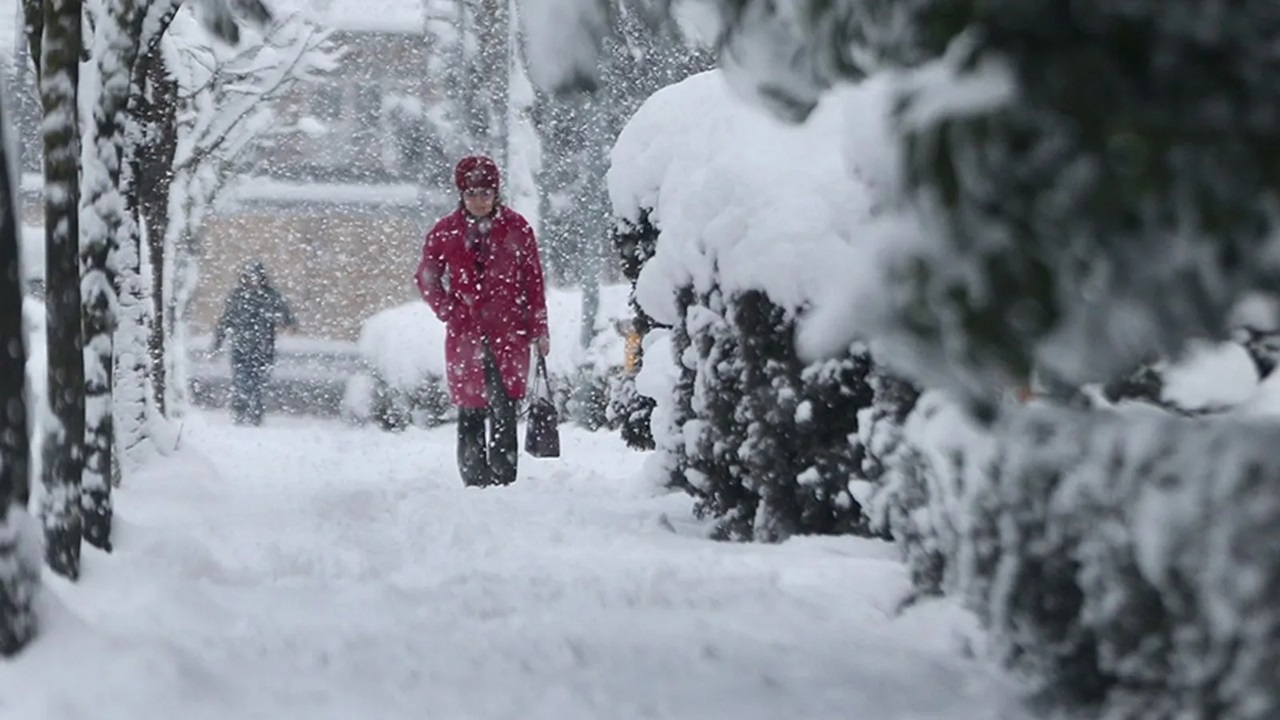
x=403, y=349
x=919, y=469
x=1160, y=533
x=734, y=227
x=1126, y=556
x=1125, y=559
x=630, y=411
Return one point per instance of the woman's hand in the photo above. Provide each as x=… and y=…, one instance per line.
x=544, y=345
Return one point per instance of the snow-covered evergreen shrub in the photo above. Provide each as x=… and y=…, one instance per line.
x=673, y=414
x=1168, y=527
x=1018, y=570
x=881, y=428
x=769, y=443
x=1125, y=560
x=715, y=437
x=930, y=485
x=832, y=393
x=630, y=412
x=763, y=438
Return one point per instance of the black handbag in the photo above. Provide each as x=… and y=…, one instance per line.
x=542, y=432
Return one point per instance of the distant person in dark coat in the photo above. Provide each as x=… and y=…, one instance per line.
x=252, y=313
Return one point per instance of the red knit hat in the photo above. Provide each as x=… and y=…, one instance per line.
x=476, y=171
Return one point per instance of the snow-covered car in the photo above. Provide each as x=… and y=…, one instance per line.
x=402, y=349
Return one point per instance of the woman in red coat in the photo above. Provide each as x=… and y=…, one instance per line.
x=481, y=275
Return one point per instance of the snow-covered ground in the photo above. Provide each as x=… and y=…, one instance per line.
x=311, y=570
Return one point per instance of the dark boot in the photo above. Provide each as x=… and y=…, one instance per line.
x=473, y=463
x=504, y=444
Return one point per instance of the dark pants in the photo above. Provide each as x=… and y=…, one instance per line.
x=493, y=462
x=248, y=379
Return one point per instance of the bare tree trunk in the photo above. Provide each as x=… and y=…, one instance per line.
x=156, y=114
x=63, y=442
x=19, y=570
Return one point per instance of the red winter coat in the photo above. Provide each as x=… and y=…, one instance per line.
x=505, y=303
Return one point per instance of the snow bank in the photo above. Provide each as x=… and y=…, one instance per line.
x=405, y=344
x=307, y=571
x=746, y=200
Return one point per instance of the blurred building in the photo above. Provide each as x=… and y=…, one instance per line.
x=338, y=203
x=337, y=208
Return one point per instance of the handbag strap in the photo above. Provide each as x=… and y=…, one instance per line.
x=541, y=372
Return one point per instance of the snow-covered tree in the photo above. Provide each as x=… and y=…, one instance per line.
x=470, y=51
x=105, y=221
x=150, y=20
x=54, y=35
x=227, y=99
x=153, y=113
x=1164, y=194
x=122, y=29
x=989, y=107
x=576, y=133
x=19, y=553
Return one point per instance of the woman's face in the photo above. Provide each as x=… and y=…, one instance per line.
x=479, y=201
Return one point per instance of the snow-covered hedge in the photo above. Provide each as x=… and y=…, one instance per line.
x=1125, y=558
x=1124, y=555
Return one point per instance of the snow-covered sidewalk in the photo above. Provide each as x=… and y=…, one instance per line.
x=307, y=570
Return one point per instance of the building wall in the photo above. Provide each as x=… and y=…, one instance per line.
x=335, y=265
x=365, y=122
